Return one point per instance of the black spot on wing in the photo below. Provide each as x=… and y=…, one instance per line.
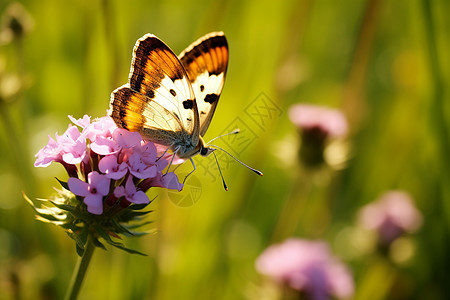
x=188, y=104
x=215, y=72
x=211, y=98
x=202, y=88
x=172, y=91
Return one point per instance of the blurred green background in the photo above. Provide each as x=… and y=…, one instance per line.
x=384, y=63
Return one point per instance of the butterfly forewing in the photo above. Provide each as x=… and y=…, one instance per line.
x=159, y=100
x=132, y=110
x=205, y=62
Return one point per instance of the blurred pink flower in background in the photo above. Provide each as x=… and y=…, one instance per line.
x=329, y=122
x=316, y=125
x=391, y=215
x=308, y=267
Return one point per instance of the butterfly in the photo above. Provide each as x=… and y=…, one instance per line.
x=169, y=99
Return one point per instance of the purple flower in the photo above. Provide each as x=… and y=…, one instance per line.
x=102, y=127
x=308, y=267
x=126, y=139
x=112, y=168
x=139, y=168
x=169, y=181
x=391, y=215
x=93, y=191
x=115, y=152
x=111, y=141
x=83, y=122
x=104, y=146
x=328, y=122
x=72, y=145
x=51, y=152
x=69, y=148
x=131, y=193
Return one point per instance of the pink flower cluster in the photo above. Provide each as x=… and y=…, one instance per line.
x=106, y=163
x=307, y=266
x=329, y=122
x=392, y=215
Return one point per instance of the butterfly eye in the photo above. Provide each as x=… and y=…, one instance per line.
x=206, y=151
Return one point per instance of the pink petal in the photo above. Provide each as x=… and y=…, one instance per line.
x=78, y=187
x=101, y=127
x=125, y=138
x=139, y=198
x=94, y=204
x=111, y=168
x=48, y=153
x=70, y=135
x=83, y=122
x=307, y=266
x=108, y=162
x=170, y=181
x=74, y=157
x=100, y=182
x=104, y=146
x=308, y=116
x=129, y=186
x=148, y=152
x=119, y=191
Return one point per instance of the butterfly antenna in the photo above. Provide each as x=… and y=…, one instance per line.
x=237, y=130
x=220, y=171
x=248, y=167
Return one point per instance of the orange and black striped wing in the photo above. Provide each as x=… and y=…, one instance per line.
x=205, y=62
x=158, y=101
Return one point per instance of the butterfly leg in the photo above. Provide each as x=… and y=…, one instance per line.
x=190, y=171
x=170, y=164
x=158, y=158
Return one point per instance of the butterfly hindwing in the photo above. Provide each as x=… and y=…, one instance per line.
x=205, y=62
x=159, y=100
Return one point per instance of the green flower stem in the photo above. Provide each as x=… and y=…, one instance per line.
x=438, y=109
x=80, y=271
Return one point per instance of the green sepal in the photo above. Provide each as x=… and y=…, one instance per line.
x=63, y=184
x=80, y=250
x=131, y=215
x=68, y=211
x=138, y=206
x=98, y=244
x=118, y=245
x=78, y=241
